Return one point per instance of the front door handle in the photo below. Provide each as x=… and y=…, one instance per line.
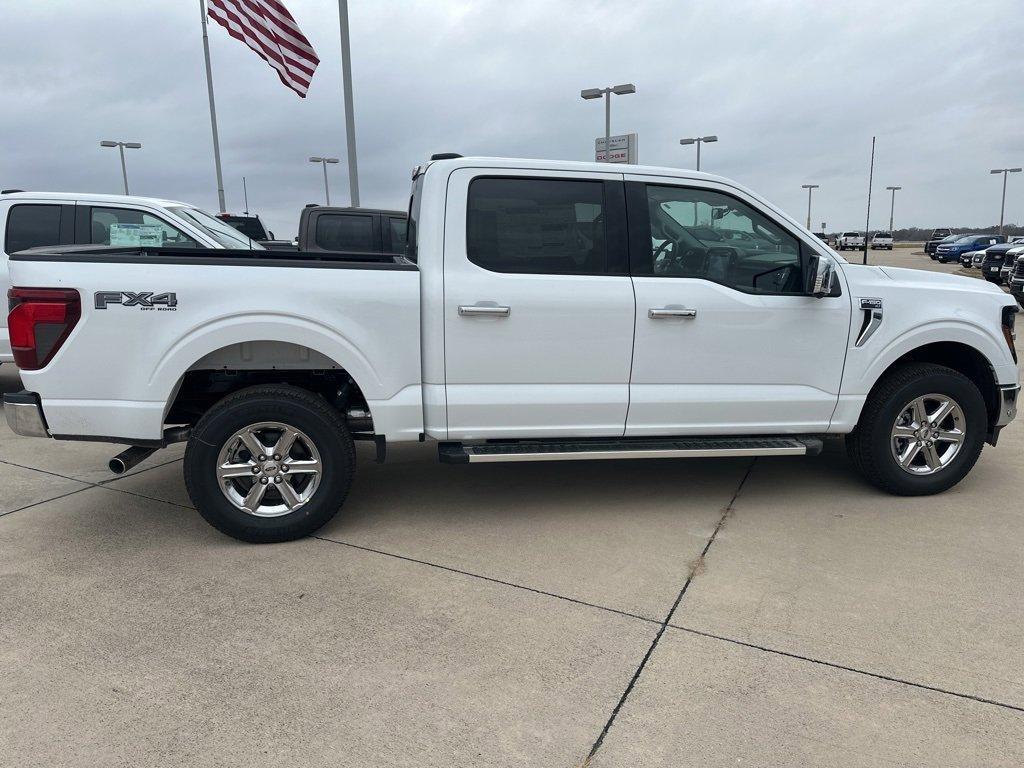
x=658, y=313
x=476, y=310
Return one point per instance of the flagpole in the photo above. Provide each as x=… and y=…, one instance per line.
x=350, y=123
x=213, y=110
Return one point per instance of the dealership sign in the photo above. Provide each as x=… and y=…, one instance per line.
x=623, y=149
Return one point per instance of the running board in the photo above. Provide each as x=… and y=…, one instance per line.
x=627, y=448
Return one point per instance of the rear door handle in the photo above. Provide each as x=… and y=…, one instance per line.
x=658, y=313
x=475, y=310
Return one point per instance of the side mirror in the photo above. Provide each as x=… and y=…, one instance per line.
x=271, y=233
x=821, y=277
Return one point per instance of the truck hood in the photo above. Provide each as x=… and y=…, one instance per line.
x=940, y=280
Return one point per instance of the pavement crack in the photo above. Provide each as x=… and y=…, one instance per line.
x=696, y=567
x=846, y=668
x=490, y=579
x=44, y=501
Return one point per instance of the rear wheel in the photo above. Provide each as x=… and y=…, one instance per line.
x=269, y=463
x=921, y=430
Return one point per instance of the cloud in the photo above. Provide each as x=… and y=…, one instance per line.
x=794, y=90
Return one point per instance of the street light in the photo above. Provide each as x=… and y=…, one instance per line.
x=892, y=206
x=698, y=141
x=1002, y=208
x=324, y=161
x=809, y=187
x=597, y=93
x=121, y=147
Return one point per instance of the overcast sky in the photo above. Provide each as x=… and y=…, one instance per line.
x=793, y=88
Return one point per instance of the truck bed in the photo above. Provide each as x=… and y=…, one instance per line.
x=170, y=311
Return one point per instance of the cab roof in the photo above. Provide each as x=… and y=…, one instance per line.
x=70, y=197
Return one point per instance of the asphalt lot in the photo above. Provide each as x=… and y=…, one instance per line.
x=507, y=615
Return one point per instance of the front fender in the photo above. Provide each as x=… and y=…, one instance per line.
x=866, y=365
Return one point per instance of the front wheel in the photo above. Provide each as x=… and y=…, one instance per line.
x=269, y=463
x=921, y=431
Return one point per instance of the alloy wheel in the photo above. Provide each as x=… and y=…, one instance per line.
x=269, y=469
x=928, y=433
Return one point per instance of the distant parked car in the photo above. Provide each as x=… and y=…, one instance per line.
x=971, y=259
x=849, y=241
x=253, y=228
x=992, y=264
x=1016, y=280
x=953, y=251
x=250, y=226
x=352, y=230
x=881, y=241
x=1010, y=261
x=938, y=236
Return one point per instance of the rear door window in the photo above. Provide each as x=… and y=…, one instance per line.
x=345, y=232
x=132, y=227
x=537, y=226
x=31, y=226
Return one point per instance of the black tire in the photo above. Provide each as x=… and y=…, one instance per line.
x=869, y=445
x=296, y=407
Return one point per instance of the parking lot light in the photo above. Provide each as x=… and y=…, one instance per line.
x=892, y=205
x=809, y=188
x=324, y=161
x=121, y=145
x=597, y=93
x=698, y=140
x=1002, y=207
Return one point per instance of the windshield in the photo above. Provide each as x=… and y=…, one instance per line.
x=222, y=232
x=851, y=234
x=969, y=239
x=882, y=234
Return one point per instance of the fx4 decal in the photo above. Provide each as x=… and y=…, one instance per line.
x=143, y=300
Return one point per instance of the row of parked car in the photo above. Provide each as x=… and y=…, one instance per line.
x=1000, y=259
x=855, y=241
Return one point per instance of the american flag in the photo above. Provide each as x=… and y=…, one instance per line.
x=268, y=29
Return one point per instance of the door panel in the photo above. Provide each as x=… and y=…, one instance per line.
x=738, y=361
x=533, y=354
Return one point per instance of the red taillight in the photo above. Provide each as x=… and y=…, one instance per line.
x=39, y=322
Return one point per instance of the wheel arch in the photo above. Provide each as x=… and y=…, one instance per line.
x=227, y=332
x=958, y=355
x=266, y=350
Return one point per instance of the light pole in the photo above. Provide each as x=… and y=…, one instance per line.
x=809, y=188
x=121, y=146
x=350, y=120
x=698, y=141
x=324, y=161
x=892, y=206
x=597, y=93
x=1002, y=207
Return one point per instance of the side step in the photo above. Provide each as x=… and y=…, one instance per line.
x=627, y=448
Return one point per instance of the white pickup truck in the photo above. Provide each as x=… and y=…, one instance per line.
x=849, y=241
x=33, y=219
x=544, y=310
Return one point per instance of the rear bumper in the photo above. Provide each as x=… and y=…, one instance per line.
x=25, y=415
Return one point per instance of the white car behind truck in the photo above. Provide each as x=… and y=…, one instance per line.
x=34, y=219
x=544, y=310
x=849, y=241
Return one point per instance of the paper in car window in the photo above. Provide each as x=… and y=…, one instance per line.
x=136, y=234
